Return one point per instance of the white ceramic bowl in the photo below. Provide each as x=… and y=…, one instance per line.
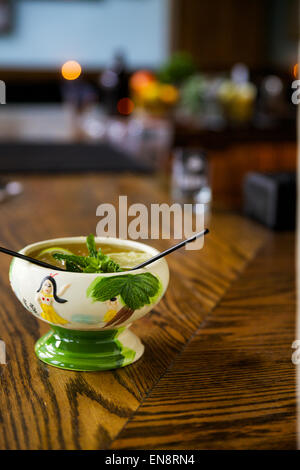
x=69, y=301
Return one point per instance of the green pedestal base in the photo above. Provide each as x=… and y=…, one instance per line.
x=89, y=350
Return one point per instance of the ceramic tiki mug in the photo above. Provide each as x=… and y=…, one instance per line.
x=89, y=313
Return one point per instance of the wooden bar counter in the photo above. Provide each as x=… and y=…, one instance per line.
x=217, y=370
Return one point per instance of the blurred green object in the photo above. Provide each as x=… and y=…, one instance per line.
x=179, y=67
x=193, y=93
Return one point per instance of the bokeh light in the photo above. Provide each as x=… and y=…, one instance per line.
x=141, y=80
x=273, y=85
x=109, y=79
x=71, y=70
x=125, y=106
x=296, y=70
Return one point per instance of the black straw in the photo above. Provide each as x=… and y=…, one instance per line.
x=170, y=250
x=142, y=265
x=28, y=258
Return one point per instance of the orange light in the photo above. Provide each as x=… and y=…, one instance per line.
x=141, y=79
x=296, y=70
x=125, y=106
x=71, y=70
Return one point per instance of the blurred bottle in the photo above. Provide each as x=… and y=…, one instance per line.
x=200, y=101
x=190, y=178
x=149, y=139
x=237, y=95
x=272, y=104
x=114, y=83
x=79, y=96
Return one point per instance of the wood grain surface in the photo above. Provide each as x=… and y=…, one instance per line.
x=216, y=372
x=232, y=386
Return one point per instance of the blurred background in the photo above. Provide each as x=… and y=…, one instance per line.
x=197, y=92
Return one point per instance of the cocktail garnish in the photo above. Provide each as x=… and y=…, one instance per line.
x=96, y=262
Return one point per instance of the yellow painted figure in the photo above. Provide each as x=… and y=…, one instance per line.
x=46, y=295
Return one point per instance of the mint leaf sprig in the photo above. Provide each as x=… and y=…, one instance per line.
x=135, y=290
x=96, y=262
x=90, y=243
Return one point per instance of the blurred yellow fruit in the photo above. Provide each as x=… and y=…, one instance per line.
x=150, y=93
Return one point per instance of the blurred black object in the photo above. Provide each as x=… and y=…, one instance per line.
x=114, y=83
x=33, y=91
x=6, y=16
x=270, y=198
x=49, y=156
